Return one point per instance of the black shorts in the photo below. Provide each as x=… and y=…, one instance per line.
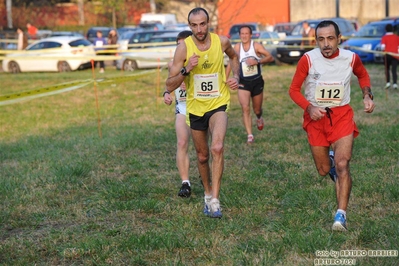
x=202, y=122
x=254, y=86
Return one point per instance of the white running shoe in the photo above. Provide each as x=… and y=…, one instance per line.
x=215, y=210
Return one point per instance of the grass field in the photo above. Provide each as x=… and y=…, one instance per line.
x=78, y=191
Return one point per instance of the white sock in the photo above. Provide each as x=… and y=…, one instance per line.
x=186, y=181
x=208, y=198
x=342, y=211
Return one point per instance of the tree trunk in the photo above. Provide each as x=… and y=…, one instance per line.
x=9, y=13
x=81, y=11
x=153, y=6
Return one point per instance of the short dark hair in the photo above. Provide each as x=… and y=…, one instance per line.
x=196, y=11
x=389, y=28
x=183, y=34
x=245, y=26
x=326, y=23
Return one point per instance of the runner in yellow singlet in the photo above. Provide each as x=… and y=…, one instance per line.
x=199, y=63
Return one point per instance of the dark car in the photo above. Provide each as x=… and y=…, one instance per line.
x=127, y=28
x=285, y=28
x=291, y=51
x=368, y=39
x=91, y=34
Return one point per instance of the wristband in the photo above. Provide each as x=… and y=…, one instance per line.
x=163, y=95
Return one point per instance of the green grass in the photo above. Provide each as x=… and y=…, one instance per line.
x=71, y=197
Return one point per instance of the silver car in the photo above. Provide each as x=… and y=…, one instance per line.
x=157, y=52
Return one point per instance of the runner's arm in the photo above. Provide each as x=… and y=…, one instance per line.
x=231, y=53
x=299, y=77
x=265, y=56
x=175, y=78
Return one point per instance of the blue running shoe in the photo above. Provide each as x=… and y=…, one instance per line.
x=216, y=211
x=339, y=222
x=207, y=209
x=332, y=173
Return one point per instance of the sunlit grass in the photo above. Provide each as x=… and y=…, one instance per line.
x=71, y=197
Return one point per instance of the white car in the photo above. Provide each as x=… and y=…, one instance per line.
x=58, y=54
x=157, y=52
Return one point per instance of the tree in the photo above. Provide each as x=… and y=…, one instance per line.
x=81, y=12
x=9, y=13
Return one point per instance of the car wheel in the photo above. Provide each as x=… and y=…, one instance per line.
x=129, y=65
x=63, y=66
x=13, y=67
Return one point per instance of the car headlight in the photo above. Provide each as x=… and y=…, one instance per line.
x=367, y=46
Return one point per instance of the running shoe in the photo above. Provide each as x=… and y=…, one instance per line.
x=215, y=210
x=387, y=85
x=260, y=123
x=333, y=172
x=185, y=190
x=250, y=139
x=395, y=86
x=339, y=222
x=207, y=209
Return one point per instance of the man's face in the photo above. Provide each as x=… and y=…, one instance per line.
x=245, y=35
x=327, y=40
x=199, y=25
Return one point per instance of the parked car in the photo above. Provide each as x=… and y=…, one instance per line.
x=134, y=39
x=91, y=34
x=270, y=40
x=155, y=53
x=293, y=51
x=178, y=26
x=64, y=54
x=8, y=39
x=151, y=26
x=66, y=33
x=284, y=29
x=124, y=29
x=368, y=38
x=234, y=30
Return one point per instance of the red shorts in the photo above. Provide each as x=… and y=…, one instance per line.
x=326, y=131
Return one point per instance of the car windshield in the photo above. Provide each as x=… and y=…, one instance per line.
x=80, y=42
x=127, y=35
x=45, y=45
x=376, y=30
x=265, y=35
